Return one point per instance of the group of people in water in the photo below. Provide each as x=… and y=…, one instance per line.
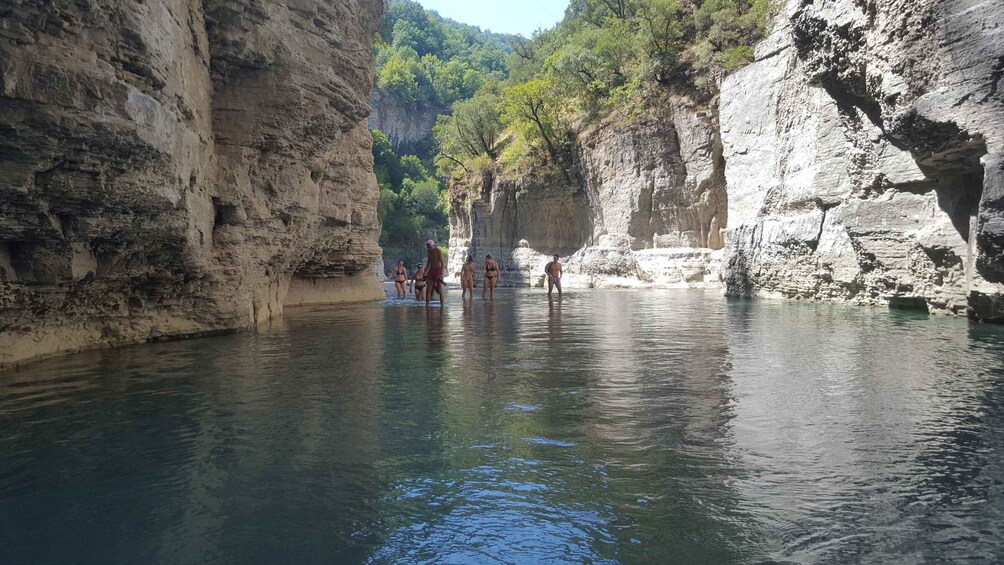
x=428, y=280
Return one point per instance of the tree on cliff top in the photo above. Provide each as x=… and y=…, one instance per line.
x=472, y=130
x=533, y=111
x=607, y=55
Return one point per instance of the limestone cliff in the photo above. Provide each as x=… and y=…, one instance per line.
x=865, y=156
x=648, y=208
x=176, y=167
x=860, y=158
x=407, y=125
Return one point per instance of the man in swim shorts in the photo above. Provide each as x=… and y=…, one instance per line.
x=553, y=271
x=435, y=270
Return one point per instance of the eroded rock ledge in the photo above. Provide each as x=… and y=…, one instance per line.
x=859, y=159
x=864, y=150
x=647, y=208
x=176, y=167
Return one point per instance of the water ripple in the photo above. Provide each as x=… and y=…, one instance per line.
x=607, y=427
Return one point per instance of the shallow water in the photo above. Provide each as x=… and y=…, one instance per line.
x=612, y=426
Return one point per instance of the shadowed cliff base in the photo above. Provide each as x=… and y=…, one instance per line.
x=167, y=170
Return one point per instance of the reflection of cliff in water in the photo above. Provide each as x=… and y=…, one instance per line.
x=852, y=432
x=193, y=446
x=654, y=408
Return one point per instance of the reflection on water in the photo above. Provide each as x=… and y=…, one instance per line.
x=606, y=427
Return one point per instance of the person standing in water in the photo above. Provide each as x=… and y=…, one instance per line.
x=467, y=278
x=492, y=274
x=434, y=274
x=553, y=271
x=400, y=278
x=419, y=282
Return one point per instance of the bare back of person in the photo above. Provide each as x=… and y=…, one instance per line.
x=434, y=273
x=467, y=278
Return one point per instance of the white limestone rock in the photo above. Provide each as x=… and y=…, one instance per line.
x=863, y=156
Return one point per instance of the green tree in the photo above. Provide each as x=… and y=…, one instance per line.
x=597, y=12
x=403, y=75
x=661, y=28
x=386, y=163
x=413, y=168
x=533, y=110
x=472, y=129
x=594, y=61
x=726, y=31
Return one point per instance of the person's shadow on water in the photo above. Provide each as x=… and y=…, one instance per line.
x=434, y=328
x=554, y=319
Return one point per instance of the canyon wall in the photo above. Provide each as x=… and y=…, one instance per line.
x=179, y=167
x=859, y=158
x=407, y=125
x=645, y=206
x=864, y=156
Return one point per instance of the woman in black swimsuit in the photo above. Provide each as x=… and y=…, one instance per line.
x=492, y=274
x=400, y=277
x=419, y=279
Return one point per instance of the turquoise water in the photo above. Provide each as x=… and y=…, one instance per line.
x=609, y=427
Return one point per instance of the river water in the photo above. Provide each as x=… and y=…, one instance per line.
x=609, y=427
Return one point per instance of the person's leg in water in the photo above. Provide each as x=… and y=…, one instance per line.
x=550, y=285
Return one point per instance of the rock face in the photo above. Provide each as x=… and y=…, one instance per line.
x=649, y=209
x=865, y=156
x=176, y=167
x=408, y=126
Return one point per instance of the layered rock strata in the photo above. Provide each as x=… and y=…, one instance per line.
x=176, y=167
x=648, y=209
x=408, y=125
x=864, y=153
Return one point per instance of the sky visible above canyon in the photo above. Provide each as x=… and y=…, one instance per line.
x=502, y=16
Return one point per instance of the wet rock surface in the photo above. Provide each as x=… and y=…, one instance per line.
x=173, y=167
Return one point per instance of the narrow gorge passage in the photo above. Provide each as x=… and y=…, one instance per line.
x=778, y=335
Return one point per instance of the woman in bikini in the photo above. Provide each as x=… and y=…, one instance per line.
x=419, y=280
x=400, y=278
x=467, y=278
x=491, y=277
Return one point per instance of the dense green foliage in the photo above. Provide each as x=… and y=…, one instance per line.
x=514, y=102
x=605, y=55
x=412, y=205
x=422, y=57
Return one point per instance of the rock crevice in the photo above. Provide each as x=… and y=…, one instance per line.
x=883, y=117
